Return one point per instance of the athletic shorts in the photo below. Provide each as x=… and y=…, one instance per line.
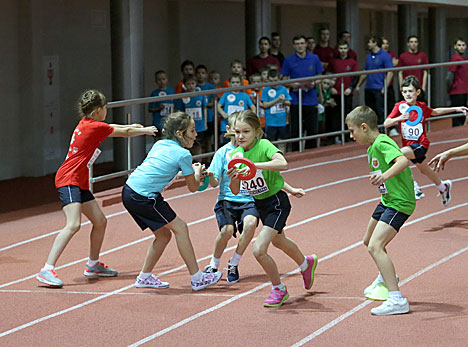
x=277, y=133
x=69, y=194
x=153, y=213
x=419, y=153
x=389, y=216
x=274, y=211
x=233, y=213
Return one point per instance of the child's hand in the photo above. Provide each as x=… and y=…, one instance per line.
x=281, y=98
x=404, y=116
x=232, y=173
x=298, y=192
x=151, y=130
x=438, y=162
x=462, y=109
x=376, y=179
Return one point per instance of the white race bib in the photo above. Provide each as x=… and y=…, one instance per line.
x=166, y=109
x=256, y=185
x=194, y=112
x=382, y=188
x=411, y=132
x=93, y=158
x=277, y=108
x=234, y=108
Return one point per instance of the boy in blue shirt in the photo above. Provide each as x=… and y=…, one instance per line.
x=163, y=108
x=274, y=100
x=201, y=73
x=232, y=102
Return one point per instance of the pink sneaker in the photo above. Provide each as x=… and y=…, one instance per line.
x=277, y=297
x=308, y=274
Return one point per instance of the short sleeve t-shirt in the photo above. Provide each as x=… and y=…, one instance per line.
x=460, y=76
x=416, y=133
x=219, y=167
x=234, y=102
x=339, y=65
x=275, y=116
x=83, y=151
x=168, y=105
x=165, y=159
x=266, y=183
x=398, y=191
x=408, y=59
x=193, y=106
x=376, y=61
x=209, y=98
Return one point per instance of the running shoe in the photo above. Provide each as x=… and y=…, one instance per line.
x=208, y=279
x=371, y=290
x=392, y=306
x=308, y=274
x=446, y=196
x=233, y=273
x=150, y=282
x=277, y=297
x=99, y=270
x=50, y=278
x=210, y=270
x=418, y=194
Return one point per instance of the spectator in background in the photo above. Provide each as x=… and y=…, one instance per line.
x=187, y=68
x=160, y=109
x=390, y=92
x=303, y=64
x=414, y=57
x=264, y=58
x=346, y=36
x=457, y=80
x=374, y=92
x=201, y=73
x=311, y=44
x=275, y=47
x=324, y=51
x=237, y=69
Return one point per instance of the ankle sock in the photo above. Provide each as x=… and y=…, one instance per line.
x=395, y=295
x=235, y=259
x=380, y=278
x=196, y=277
x=279, y=286
x=48, y=267
x=91, y=263
x=304, y=265
x=214, y=263
x=144, y=275
x=442, y=187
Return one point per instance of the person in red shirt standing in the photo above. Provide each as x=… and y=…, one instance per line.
x=457, y=80
x=264, y=58
x=346, y=36
x=72, y=183
x=413, y=133
x=414, y=57
x=324, y=51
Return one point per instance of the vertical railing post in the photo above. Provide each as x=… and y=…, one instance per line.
x=428, y=96
x=301, y=143
x=216, y=125
x=342, y=111
x=129, y=144
x=385, y=100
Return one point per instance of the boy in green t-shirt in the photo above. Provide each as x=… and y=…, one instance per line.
x=391, y=174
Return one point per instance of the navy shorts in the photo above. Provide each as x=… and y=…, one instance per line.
x=419, y=153
x=277, y=133
x=69, y=194
x=233, y=213
x=153, y=213
x=274, y=211
x=389, y=216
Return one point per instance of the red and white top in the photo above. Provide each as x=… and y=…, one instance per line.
x=416, y=133
x=83, y=151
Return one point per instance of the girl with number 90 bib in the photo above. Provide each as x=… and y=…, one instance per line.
x=271, y=202
x=413, y=136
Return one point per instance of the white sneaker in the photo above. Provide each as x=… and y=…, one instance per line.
x=393, y=132
x=208, y=279
x=150, y=282
x=446, y=196
x=391, y=306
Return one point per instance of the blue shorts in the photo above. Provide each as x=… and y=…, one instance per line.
x=69, y=194
x=233, y=213
x=274, y=211
x=419, y=153
x=277, y=133
x=153, y=213
x=389, y=216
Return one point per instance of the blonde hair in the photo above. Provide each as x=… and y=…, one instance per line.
x=249, y=117
x=362, y=114
x=177, y=121
x=89, y=101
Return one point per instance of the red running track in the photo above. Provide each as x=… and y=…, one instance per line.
x=430, y=255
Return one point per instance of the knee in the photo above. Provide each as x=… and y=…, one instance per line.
x=373, y=249
x=101, y=222
x=164, y=236
x=249, y=227
x=72, y=227
x=258, y=252
x=226, y=232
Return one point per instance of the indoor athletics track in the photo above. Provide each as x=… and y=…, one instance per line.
x=430, y=254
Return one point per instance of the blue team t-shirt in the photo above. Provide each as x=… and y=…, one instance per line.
x=193, y=106
x=165, y=159
x=232, y=102
x=209, y=98
x=275, y=116
x=379, y=60
x=168, y=104
x=297, y=67
x=219, y=167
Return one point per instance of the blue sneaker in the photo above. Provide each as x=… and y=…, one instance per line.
x=50, y=278
x=233, y=273
x=99, y=270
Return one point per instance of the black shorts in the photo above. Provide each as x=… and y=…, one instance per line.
x=277, y=133
x=233, y=213
x=153, y=213
x=69, y=194
x=389, y=216
x=274, y=211
x=419, y=153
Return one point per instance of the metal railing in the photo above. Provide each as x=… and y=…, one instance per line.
x=301, y=139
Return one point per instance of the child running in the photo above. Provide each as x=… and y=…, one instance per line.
x=413, y=137
x=72, y=182
x=233, y=212
x=391, y=174
x=271, y=202
x=141, y=196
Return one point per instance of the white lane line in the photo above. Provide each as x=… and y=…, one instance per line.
x=237, y=297
x=368, y=302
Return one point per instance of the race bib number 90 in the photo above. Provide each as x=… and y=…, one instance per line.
x=255, y=186
x=411, y=132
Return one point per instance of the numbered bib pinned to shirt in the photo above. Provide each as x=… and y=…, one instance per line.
x=256, y=185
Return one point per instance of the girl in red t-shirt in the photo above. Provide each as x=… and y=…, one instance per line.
x=414, y=139
x=72, y=183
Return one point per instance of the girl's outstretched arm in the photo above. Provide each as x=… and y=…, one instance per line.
x=132, y=131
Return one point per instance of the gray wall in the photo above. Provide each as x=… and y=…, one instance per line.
x=75, y=35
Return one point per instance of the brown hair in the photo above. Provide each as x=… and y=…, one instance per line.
x=249, y=117
x=362, y=114
x=177, y=121
x=89, y=101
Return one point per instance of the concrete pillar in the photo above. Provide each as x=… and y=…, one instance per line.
x=347, y=19
x=438, y=54
x=257, y=24
x=407, y=25
x=127, y=74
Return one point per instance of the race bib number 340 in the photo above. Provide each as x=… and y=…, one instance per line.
x=256, y=185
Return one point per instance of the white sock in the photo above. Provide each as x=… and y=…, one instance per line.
x=279, y=286
x=235, y=259
x=214, y=263
x=144, y=275
x=442, y=187
x=48, y=267
x=395, y=295
x=91, y=263
x=380, y=278
x=304, y=265
x=416, y=186
x=196, y=277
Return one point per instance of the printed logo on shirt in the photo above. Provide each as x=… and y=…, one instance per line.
x=272, y=93
x=241, y=103
x=162, y=93
x=348, y=68
x=419, y=61
x=231, y=97
x=375, y=163
x=197, y=89
x=198, y=103
x=186, y=100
